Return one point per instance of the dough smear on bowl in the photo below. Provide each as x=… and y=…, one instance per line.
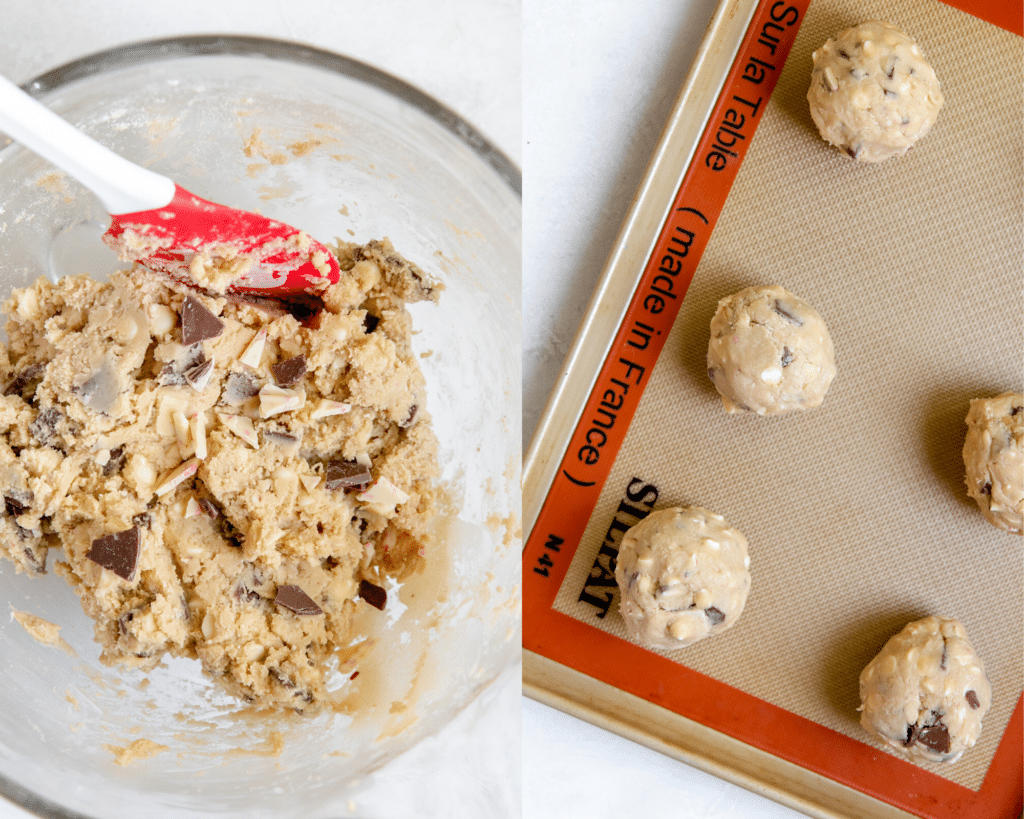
x=994, y=459
x=683, y=575
x=872, y=93
x=226, y=482
x=925, y=694
x=770, y=352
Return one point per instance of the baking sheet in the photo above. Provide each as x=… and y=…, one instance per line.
x=855, y=512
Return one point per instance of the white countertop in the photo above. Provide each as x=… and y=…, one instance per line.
x=599, y=81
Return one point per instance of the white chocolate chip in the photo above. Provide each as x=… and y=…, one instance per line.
x=242, y=426
x=285, y=480
x=327, y=408
x=275, y=400
x=178, y=476
x=254, y=352
x=161, y=319
x=254, y=652
x=209, y=625
x=384, y=493
x=363, y=459
x=310, y=482
x=773, y=375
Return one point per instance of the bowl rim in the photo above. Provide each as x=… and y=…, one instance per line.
x=218, y=45
x=232, y=45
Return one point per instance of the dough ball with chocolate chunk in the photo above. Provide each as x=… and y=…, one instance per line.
x=994, y=458
x=683, y=574
x=926, y=692
x=872, y=94
x=770, y=352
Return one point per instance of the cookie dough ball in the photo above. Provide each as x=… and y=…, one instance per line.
x=926, y=692
x=770, y=352
x=684, y=575
x=872, y=94
x=994, y=458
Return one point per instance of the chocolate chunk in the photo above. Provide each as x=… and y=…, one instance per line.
x=25, y=381
x=787, y=356
x=911, y=730
x=843, y=54
x=207, y=506
x=285, y=440
x=410, y=417
x=711, y=373
x=934, y=735
x=972, y=699
x=196, y=374
x=44, y=427
x=373, y=594
x=101, y=390
x=890, y=94
x=118, y=552
x=239, y=388
x=169, y=377
x=1015, y=410
x=370, y=322
x=296, y=600
x=115, y=463
x=290, y=371
x=198, y=323
x=16, y=507
x=123, y=621
x=346, y=474
x=35, y=555
x=784, y=312
x=143, y=520
x=987, y=488
x=714, y=615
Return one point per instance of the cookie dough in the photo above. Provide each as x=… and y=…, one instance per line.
x=227, y=480
x=683, y=575
x=994, y=459
x=926, y=692
x=769, y=353
x=872, y=94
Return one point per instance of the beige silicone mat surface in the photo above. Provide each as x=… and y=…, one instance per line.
x=856, y=513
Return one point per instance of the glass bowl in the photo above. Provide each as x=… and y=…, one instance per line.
x=341, y=150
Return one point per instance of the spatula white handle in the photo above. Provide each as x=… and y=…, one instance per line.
x=122, y=186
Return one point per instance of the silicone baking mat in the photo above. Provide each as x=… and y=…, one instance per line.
x=856, y=513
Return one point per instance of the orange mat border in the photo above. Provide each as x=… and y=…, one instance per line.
x=592, y=450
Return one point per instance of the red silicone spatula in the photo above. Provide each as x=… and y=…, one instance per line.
x=162, y=225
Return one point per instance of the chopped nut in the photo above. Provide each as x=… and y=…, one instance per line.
x=275, y=400
x=383, y=492
x=178, y=476
x=254, y=352
x=199, y=435
x=327, y=408
x=193, y=509
x=242, y=426
x=181, y=430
